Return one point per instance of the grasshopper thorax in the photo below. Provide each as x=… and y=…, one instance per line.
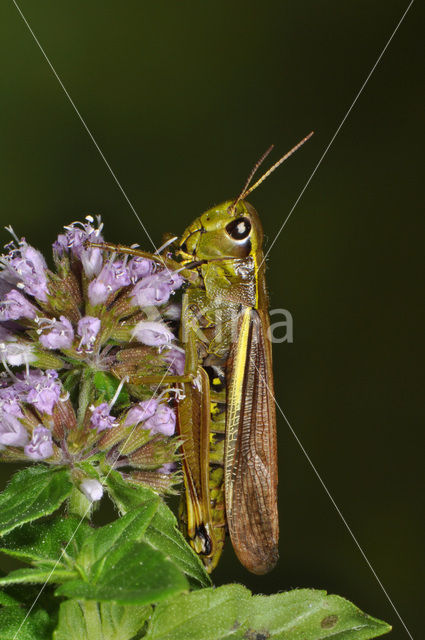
x=224, y=231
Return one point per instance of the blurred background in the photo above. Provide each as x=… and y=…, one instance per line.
x=183, y=97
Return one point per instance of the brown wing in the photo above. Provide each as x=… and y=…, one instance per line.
x=193, y=421
x=250, y=454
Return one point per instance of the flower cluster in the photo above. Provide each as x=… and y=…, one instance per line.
x=86, y=350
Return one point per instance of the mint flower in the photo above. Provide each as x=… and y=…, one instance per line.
x=43, y=390
x=25, y=268
x=163, y=421
x=12, y=432
x=139, y=268
x=15, y=306
x=75, y=345
x=153, y=290
x=41, y=446
x=88, y=328
x=56, y=334
x=153, y=333
x=101, y=418
x=142, y=411
x=113, y=276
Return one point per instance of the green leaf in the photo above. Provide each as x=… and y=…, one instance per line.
x=37, y=626
x=311, y=615
x=129, y=528
x=7, y=601
x=162, y=532
x=109, y=621
x=164, y=535
x=38, y=575
x=134, y=574
x=43, y=541
x=107, y=385
x=32, y=493
x=208, y=614
x=231, y=611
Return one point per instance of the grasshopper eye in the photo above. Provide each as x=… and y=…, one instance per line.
x=239, y=229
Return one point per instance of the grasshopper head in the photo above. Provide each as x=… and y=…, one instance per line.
x=224, y=231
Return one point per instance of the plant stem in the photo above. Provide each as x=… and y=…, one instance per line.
x=84, y=395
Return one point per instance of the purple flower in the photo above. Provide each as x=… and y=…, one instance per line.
x=164, y=421
x=168, y=467
x=60, y=245
x=176, y=357
x=172, y=278
x=152, y=291
x=142, y=411
x=76, y=235
x=9, y=402
x=92, y=489
x=14, y=306
x=88, y=328
x=139, y=268
x=41, y=446
x=26, y=268
x=113, y=276
x=152, y=333
x=16, y=353
x=44, y=391
x=100, y=418
x=60, y=336
x=12, y=432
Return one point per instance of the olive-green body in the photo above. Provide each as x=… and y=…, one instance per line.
x=230, y=281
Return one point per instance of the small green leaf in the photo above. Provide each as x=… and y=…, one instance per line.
x=129, y=528
x=90, y=621
x=162, y=532
x=38, y=575
x=43, y=541
x=7, y=601
x=32, y=493
x=312, y=615
x=13, y=624
x=208, y=614
x=135, y=574
x=164, y=535
x=125, y=496
x=107, y=385
x=231, y=611
x=72, y=623
x=122, y=622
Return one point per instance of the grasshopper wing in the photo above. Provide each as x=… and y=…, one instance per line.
x=250, y=452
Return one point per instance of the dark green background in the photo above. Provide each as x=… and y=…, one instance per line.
x=183, y=97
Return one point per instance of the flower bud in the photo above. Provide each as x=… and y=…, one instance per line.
x=92, y=489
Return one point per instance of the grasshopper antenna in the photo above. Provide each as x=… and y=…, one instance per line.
x=246, y=191
x=250, y=177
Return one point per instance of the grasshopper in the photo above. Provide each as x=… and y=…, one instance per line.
x=226, y=416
